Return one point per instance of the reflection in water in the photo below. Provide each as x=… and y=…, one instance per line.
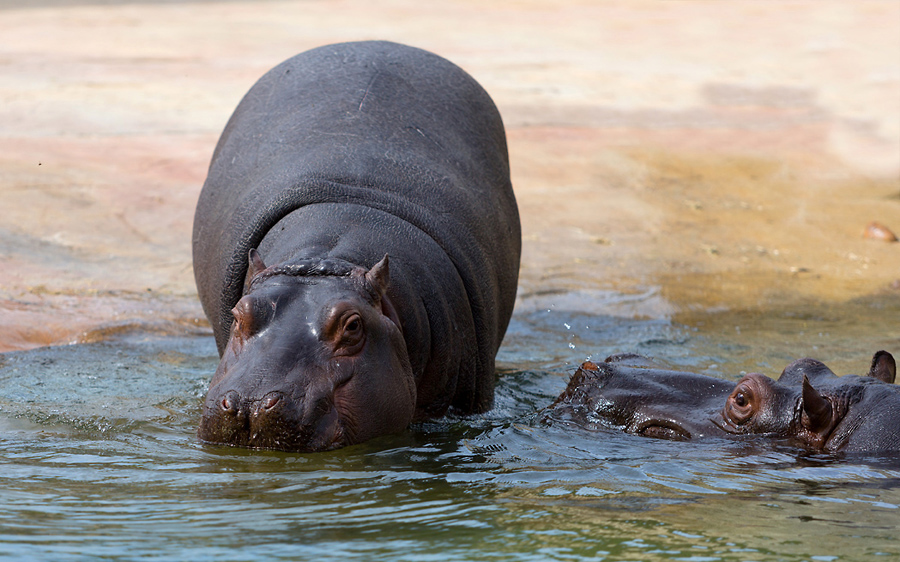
x=100, y=460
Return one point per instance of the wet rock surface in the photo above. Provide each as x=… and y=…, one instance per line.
x=727, y=157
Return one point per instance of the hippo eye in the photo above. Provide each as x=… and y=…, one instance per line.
x=244, y=321
x=251, y=315
x=352, y=332
x=740, y=405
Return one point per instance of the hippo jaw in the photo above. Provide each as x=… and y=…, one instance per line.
x=664, y=423
x=660, y=428
x=311, y=365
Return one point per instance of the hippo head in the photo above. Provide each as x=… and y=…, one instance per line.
x=809, y=405
x=315, y=360
x=628, y=392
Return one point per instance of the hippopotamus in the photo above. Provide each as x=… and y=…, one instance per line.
x=808, y=406
x=356, y=249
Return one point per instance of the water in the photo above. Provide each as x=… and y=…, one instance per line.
x=99, y=460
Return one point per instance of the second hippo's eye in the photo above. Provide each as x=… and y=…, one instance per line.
x=740, y=406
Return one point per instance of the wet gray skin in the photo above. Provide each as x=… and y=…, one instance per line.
x=335, y=159
x=808, y=406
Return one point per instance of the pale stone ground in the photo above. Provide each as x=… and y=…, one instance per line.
x=727, y=153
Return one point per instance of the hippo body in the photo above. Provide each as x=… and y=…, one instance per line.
x=356, y=249
x=807, y=406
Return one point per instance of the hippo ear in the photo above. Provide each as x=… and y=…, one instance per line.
x=379, y=277
x=255, y=264
x=883, y=367
x=818, y=415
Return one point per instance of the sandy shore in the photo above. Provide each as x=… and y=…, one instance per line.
x=730, y=154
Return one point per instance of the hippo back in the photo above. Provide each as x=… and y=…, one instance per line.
x=376, y=124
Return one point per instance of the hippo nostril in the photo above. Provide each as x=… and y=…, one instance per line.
x=269, y=405
x=230, y=401
x=270, y=401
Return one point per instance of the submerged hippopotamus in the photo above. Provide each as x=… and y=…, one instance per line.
x=808, y=405
x=356, y=249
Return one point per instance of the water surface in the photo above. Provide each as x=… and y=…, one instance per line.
x=100, y=460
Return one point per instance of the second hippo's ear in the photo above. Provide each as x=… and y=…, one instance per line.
x=379, y=277
x=818, y=415
x=883, y=367
x=256, y=264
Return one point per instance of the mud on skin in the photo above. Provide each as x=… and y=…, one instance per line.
x=808, y=406
x=356, y=249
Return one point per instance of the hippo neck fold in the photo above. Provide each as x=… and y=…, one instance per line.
x=313, y=267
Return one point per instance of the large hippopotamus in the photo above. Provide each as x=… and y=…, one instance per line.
x=356, y=249
x=808, y=405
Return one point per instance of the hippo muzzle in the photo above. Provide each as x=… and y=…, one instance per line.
x=627, y=392
x=277, y=420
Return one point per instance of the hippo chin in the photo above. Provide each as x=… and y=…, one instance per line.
x=356, y=249
x=808, y=405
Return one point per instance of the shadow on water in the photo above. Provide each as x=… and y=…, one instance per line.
x=100, y=461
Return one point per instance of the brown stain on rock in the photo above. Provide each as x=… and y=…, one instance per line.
x=712, y=228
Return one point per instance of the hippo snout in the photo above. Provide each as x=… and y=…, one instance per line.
x=274, y=421
x=247, y=412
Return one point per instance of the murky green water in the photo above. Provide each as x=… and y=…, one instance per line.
x=99, y=461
